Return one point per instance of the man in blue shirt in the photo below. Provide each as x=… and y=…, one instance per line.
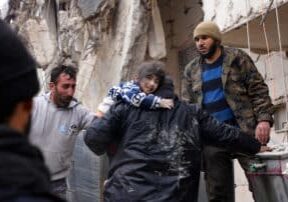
x=227, y=84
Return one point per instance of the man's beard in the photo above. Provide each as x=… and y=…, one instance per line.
x=61, y=101
x=211, y=51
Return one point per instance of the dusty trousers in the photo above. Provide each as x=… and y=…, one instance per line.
x=219, y=176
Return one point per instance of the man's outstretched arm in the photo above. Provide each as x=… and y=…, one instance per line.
x=103, y=130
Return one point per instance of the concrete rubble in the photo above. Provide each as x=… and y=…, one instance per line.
x=74, y=32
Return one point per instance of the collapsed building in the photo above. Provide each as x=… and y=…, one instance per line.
x=108, y=39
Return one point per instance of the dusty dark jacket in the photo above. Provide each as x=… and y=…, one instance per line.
x=244, y=88
x=158, y=157
x=23, y=175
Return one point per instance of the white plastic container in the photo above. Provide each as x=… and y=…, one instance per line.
x=268, y=176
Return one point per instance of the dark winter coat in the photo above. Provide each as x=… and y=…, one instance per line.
x=158, y=156
x=23, y=175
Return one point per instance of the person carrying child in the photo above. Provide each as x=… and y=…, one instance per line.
x=139, y=92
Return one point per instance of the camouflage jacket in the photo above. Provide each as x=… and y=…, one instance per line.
x=244, y=88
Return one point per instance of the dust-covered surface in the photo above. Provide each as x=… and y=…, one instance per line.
x=3, y=8
x=278, y=151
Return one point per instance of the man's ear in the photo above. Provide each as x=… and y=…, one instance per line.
x=20, y=117
x=218, y=42
x=28, y=105
x=52, y=86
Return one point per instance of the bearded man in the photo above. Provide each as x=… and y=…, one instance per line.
x=57, y=119
x=226, y=83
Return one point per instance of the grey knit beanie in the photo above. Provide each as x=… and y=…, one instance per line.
x=208, y=28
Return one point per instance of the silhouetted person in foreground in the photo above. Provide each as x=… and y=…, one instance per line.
x=23, y=175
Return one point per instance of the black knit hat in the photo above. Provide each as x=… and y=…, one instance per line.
x=18, y=76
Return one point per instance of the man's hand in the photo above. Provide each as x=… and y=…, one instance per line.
x=265, y=148
x=166, y=103
x=262, y=132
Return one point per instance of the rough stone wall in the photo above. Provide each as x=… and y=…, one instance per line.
x=105, y=39
x=232, y=13
x=120, y=50
x=179, y=20
x=3, y=8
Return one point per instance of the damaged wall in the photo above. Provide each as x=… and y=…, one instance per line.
x=179, y=20
x=3, y=8
x=236, y=12
x=259, y=25
x=106, y=40
x=119, y=52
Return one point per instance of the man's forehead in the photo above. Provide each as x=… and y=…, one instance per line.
x=65, y=77
x=202, y=36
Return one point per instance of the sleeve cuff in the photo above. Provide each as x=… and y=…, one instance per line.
x=105, y=105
